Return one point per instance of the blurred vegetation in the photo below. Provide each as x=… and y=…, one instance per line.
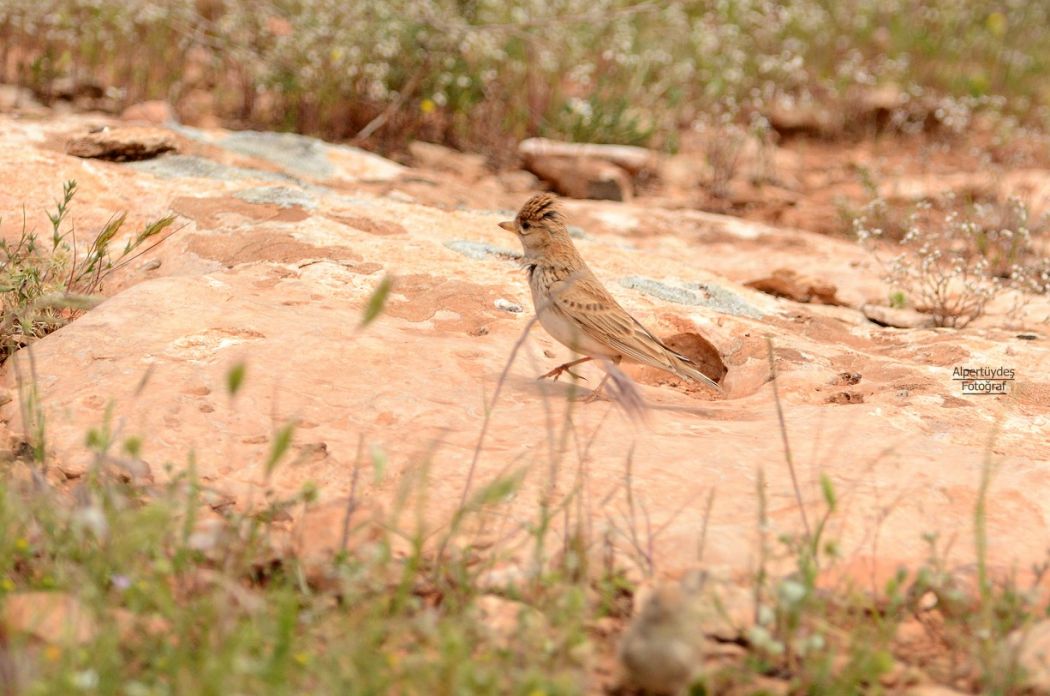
x=479, y=73
x=162, y=594
x=112, y=582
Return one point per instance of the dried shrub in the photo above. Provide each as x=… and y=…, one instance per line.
x=952, y=260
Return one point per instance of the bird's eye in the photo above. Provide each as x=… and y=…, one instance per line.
x=525, y=226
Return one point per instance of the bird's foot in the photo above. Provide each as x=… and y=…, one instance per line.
x=595, y=395
x=556, y=372
x=598, y=393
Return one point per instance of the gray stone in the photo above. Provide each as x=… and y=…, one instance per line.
x=479, y=250
x=192, y=133
x=727, y=301
x=661, y=291
x=711, y=296
x=508, y=306
x=662, y=648
x=278, y=195
x=897, y=317
x=296, y=153
x=182, y=166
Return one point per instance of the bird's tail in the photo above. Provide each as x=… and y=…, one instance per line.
x=684, y=367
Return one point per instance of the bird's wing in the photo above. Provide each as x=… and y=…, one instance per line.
x=581, y=299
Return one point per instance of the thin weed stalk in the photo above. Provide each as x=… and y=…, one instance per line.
x=784, y=439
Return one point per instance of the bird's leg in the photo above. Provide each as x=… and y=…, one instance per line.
x=597, y=393
x=556, y=372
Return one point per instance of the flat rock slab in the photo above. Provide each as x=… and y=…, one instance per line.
x=784, y=282
x=272, y=267
x=122, y=143
x=582, y=177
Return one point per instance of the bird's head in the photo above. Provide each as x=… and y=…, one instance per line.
x=539, y=225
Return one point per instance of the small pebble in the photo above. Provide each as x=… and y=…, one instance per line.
x=508, y=306
x=151, y=265
x=400, y=196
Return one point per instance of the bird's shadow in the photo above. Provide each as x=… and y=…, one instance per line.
x=579, y=391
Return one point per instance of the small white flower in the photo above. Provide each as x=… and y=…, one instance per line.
x=91, y=519
x=791, y=592
x=85, y=680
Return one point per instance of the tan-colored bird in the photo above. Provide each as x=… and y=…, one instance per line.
x=575, y=308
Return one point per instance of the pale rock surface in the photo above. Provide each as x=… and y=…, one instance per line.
x=21, y=99
x=1033, y=646
x=635, y=160
x=155, y=111
x=582, y=177
x=1030, y=185
x=790, y=116
x=518, y=181
x=897, y=317
x=49, y=616
x=784, y=282
x=57, y=617
x=469, y=167
x=932, y=690
x=506, y=620
x=122, y=143
x=281, y=240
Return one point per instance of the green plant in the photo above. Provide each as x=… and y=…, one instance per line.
x=45, y=283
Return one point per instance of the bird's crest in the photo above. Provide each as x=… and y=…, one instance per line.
x=542, y=206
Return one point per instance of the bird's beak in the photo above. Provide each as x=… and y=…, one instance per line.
x=509, y=225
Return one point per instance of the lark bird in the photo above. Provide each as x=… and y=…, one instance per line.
x=575, y=308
